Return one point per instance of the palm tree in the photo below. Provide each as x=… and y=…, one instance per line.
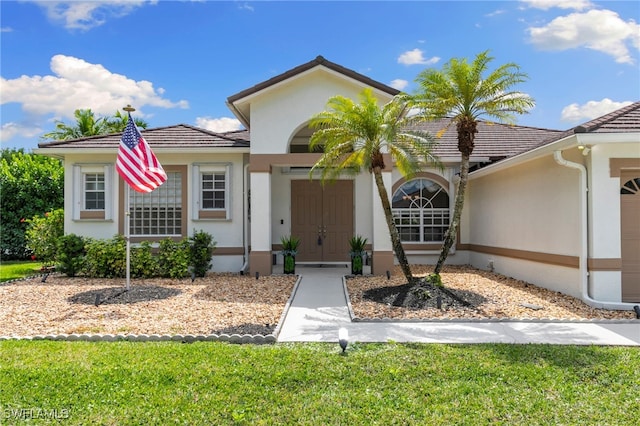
x=118, y=123
x=356, y=135
x=86, y=125
x=462, y=92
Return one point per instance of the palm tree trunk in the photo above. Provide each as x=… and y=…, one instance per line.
x=393, y=231
x=452, y=232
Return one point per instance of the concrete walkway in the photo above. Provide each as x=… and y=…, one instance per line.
x=319, y=308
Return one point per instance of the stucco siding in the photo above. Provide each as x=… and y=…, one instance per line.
x=276, y=115
x=228, y=233
x=532, y=208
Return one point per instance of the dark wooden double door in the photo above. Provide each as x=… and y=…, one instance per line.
x=322, y=217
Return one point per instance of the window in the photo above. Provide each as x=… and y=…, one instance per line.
x=159, y=213
x=92, y=194
x=213, y=190
x=93, y=191
x=631, y=187
x=211, y=194
x=421, y=211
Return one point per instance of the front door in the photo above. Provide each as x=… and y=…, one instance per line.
x=630, y=236
x=322, y=217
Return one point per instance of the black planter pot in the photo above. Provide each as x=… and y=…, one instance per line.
x=357, y=264
x=289, y=264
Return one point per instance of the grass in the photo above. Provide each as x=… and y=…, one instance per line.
x=11, y=270
x=309, y=384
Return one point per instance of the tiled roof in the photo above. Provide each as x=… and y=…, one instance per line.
x=319, y=60
x=623, y=120
x=178, y=136
x=493, y=140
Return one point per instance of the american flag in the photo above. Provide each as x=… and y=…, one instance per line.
x=136, y=163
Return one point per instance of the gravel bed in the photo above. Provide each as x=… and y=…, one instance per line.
x=491, y=296
x=226, y=304
x=216, y=304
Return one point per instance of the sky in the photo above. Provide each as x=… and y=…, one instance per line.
x=178, y=61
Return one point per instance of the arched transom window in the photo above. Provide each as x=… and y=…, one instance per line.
x=631, y=187
x=421, y=211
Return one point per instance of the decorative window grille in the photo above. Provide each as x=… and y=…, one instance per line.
x=421, y=211
x=158, y=213
x=94, y=191
x=213, y=190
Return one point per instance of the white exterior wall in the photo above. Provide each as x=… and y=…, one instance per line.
x=534, y=207
x=277, y=114
x=226, y=233
x=604, y=214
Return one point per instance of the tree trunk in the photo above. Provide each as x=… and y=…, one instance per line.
x=393, y=231
x=452, y=232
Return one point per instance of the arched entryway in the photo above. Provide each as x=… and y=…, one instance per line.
x=630, y=235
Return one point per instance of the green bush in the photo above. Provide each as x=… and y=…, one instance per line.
x=173, y=258
x=71, y=252
x=43, y=233
x=143, y=263
x=106, y=258
x=202, y=246
x=30, y=184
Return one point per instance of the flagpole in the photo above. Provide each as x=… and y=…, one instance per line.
x=127, y=220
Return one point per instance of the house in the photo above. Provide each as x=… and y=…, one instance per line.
x=557, y=209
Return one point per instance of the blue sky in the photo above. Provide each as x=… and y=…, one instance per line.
x=177, y=62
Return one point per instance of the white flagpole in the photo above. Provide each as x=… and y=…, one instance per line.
x=127, y=219
x=127, y=235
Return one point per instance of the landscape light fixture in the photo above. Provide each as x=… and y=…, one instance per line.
x=343, y=338
x=637, y=309
x=388, y=275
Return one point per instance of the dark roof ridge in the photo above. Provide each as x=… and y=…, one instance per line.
x=319, y=60
x=596, y=123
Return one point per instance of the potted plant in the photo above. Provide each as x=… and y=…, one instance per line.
x=357, y=253
x=289, y=251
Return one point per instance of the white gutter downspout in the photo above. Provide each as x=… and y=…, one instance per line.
x=245, y=219
x=584, y=240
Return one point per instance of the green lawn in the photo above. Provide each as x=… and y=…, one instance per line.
x=12, y=270
x=312, y=384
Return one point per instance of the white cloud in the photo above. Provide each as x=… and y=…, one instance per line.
x=601, y=30
x=6, y=30
x=415, y=57
x=561, y=4
x=219, y=125
x=399, y=84
x=591, y=110
x=84, y=15
x=80, y=84
x=9, y=130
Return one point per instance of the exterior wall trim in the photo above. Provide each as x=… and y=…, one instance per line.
x=617, y=164
x=548, y=258
x=604, y=264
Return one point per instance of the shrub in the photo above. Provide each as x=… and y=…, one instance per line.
x=43, y=233
x=202, y=246
x=173, y=258
x=31, y=184
x=70, y=256
x=143, y=263
x=106, y=258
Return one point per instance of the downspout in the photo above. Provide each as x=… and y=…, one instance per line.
x=584, y=239
x=245, y=220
